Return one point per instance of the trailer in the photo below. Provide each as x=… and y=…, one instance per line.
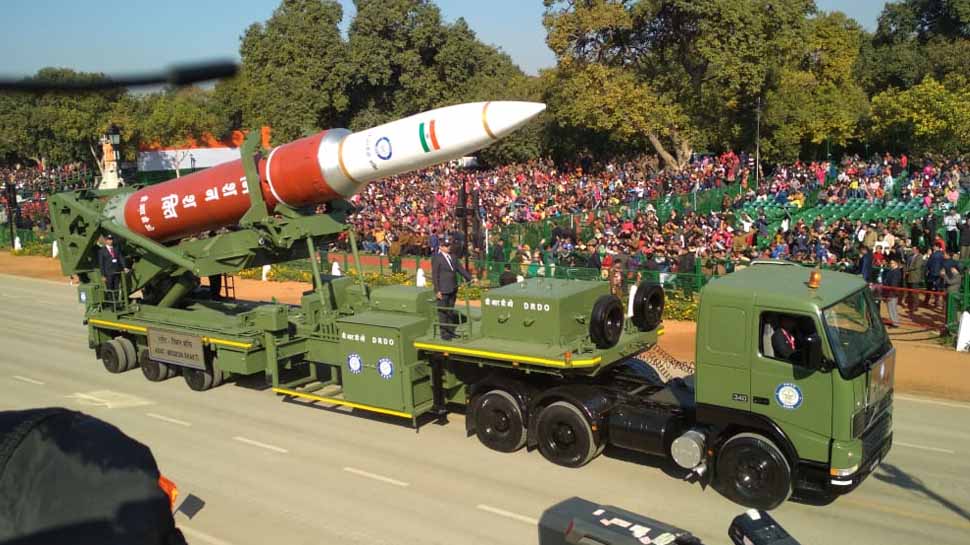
x=559, y=366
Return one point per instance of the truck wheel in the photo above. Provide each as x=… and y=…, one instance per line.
x=155, y=371
x=113, y=357
x=648, y=306
x=565, y=436
x=197, y=379
x=498, y=422
x=753, y=472
x=218, y=376
x=131, y=356
x=606, y=321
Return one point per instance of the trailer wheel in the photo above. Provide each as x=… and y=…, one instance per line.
x=648, y=306
x=131, y=356
x=753, y=472
x=499, y=424
x=565, y=436
x=197, y=379
x=113, y=357
x=155, y=371
x=606, y=321
x=218, y=376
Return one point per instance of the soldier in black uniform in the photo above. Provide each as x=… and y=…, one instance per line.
x=444, y=267
x=507, y=277
x=112, y=263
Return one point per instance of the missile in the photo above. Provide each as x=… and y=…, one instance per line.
x=332, y=164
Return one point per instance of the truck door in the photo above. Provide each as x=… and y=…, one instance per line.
x=798, y=399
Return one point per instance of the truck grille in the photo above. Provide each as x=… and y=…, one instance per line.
x=866, y=417
x=872, y=440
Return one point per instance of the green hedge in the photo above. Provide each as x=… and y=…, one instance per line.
x=678, y=307
x=35, y=248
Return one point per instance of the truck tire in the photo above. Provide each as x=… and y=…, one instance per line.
x=648, y=306
x=155, y=371
x=565, y=436
x=753, y=472
x=606, y=321
x=197, y=379
x=113, y=357
x=218, y=375
x=499, y=423
x=131, y=356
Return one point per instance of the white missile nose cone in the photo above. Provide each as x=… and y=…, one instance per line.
x=503, y=117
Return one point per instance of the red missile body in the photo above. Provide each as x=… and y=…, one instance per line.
x=329, y=165
x=218, y=196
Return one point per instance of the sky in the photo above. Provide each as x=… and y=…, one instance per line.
x=123, y=36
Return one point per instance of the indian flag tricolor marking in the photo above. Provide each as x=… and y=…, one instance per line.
x=428, y=137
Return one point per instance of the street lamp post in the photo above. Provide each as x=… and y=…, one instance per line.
x=10, y=187
x=757, y=144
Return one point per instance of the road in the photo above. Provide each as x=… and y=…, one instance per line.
x=258, y=468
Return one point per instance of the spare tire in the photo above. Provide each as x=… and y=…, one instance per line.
x=648, y=306
x=606, y=322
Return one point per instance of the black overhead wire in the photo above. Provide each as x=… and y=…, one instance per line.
x=178, y=75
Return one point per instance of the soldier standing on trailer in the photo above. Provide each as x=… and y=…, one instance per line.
x=112, y=263
x=443, y=270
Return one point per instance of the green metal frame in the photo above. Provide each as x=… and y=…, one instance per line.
x=78, y=219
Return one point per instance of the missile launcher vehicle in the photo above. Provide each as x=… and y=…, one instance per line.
x=791, y=394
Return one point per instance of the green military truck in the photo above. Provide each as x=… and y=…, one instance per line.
x=550, y=364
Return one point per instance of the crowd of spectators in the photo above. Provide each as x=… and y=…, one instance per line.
x=32, y=185
x=409, y=214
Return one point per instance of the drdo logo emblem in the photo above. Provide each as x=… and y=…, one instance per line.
x=354, y=364
x=383, y=148
x=385, y=368
x=789, y=396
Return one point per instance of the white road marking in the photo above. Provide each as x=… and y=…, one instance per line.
x=261, y=445
x=28, y=379
x=168, y=419
x=507, y=514
x=921, y=447
x=932, y=402
x=109, y=399
x=376, y=477
x=201, y=536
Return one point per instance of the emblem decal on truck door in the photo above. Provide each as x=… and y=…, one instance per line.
x=789, y=396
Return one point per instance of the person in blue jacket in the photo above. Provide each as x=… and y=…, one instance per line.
x=865, y=263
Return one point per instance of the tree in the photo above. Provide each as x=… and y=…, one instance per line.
x=57, y=127
x=228, y=105
x=174, y=117
x=705, y=62
x=914, y=39
x=817, y=98
x=614, y=102
x=16, y=139
x=406, y=60
x=930, y=117
x=393, y=46
x=294, y=71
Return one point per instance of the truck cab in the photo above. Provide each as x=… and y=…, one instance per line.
x=794, y=379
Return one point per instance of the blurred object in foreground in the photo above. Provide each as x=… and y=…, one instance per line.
x=70, y=478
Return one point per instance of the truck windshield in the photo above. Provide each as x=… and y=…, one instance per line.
x=855, y=332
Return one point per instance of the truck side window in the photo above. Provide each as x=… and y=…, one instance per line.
x=783, y=336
